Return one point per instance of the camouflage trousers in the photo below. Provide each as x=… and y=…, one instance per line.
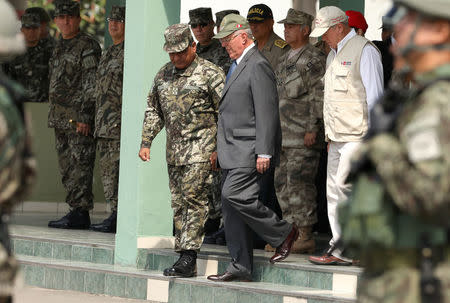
x=109, y=150
x=190, y=186
x=215, y=197
x=8, y=263
x=76, y=157
x=401, y=285
x=295, y=185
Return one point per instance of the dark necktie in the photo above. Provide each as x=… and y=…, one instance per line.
x=231, y=70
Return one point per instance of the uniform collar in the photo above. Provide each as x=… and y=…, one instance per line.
x=188, y=71
x=344, y=41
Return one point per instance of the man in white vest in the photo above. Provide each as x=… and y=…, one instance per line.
x=353, y=83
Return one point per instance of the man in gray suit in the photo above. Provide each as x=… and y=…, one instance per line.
x=248, y=143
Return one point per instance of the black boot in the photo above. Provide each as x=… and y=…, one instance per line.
x=75, y=219
x=108, y=225
x=186, y=266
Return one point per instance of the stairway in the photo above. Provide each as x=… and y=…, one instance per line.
x=84, y=261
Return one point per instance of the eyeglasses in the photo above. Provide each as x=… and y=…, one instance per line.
x=228, y=40
x=115, y=20
x=202, y=25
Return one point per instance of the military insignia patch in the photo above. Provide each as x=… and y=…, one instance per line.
x=280, y=43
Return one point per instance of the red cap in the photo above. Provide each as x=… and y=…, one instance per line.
x=356, y=19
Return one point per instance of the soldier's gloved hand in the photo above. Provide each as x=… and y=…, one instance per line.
x=144, y=154
x=83, y=128
x=213, y=161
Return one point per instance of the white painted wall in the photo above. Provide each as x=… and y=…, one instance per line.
x=373, y=11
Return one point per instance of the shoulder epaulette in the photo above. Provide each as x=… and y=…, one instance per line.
x=280, y=43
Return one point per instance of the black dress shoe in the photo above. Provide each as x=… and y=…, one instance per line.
x=108, y=225
x=228, y=277
x=185, y=267
x=75, y=219
x=283, y=251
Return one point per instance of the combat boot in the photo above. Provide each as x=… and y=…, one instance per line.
x=186, y=266
x=108, y=225
x=75, y=219
x=305, y=244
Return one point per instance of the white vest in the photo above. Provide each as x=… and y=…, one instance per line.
x=345, y=112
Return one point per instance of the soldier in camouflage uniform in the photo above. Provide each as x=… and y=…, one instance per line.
x=13, y=163
x=72, y=110
x=397, y=220
x=202, y=25
x=221, y=14
x=31, y=68
x=108, y=114
x=45, y=40
x=185, y=99
x=300, y=89
x=260, y=18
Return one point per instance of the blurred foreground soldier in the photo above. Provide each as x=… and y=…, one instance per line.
x=300, y=89
x=184, y=99
x=353, y=82
x=221, y=14
x=45, y=39
x=397, y=219
x=72, y=111
x=31, y=68
x=202, y=25
x=357, y=21
x=13, y=165
x=108, y=112
x=260, y=18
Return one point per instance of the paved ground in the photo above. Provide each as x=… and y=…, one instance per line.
x=28, y=294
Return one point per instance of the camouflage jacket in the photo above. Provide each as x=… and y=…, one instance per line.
x=108, y=107
x=215, y=53
x=73, y=69
x=274, y=48
x=31, y=70
x=414, y=160
x=300, y=89
x=12, y=147
x=48, y=43
x=186, y=103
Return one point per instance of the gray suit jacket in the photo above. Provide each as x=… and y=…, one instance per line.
x=249, y=121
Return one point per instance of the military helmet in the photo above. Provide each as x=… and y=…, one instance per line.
x=433, y=8
x=12, y=41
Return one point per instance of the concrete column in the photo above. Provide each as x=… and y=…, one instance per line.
x=307, y=6
x=356, y=5
x=144, y=213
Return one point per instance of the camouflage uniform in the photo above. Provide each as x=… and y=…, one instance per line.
x=185, y=102
x=300, y=89
x=274, y=48
x=31, y=68
x=108, y=119
x=71, y=95
x=215, y=53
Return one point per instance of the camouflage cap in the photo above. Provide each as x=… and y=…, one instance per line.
x=297, y=17
x=259, y=13
x=178, y=37
x=70, y=8
x=433, y=8
x=230, y=24
x=43, y=15
x=117, y=13
x=221, y=14
x=200, y=15
x=30, y=20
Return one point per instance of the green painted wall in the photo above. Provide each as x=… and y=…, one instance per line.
x=144, y=198
x=48, y=185
x=356, y=5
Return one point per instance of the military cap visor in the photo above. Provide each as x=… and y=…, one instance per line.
x=230, y=24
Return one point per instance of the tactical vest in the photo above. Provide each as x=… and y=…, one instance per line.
x=345, y=110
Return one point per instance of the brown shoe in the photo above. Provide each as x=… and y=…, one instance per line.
x=283, y=251
x=227, y=277
x=328, y=260
x=305, y=243
x=269, y=247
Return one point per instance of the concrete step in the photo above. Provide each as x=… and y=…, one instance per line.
x=71, y=245
x=148, y=285
x=296, y=270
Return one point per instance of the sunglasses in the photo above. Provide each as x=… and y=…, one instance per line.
x=195, y=25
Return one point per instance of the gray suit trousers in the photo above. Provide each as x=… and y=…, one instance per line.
x=243, y=212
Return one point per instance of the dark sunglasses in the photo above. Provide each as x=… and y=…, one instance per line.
x=199, y=24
